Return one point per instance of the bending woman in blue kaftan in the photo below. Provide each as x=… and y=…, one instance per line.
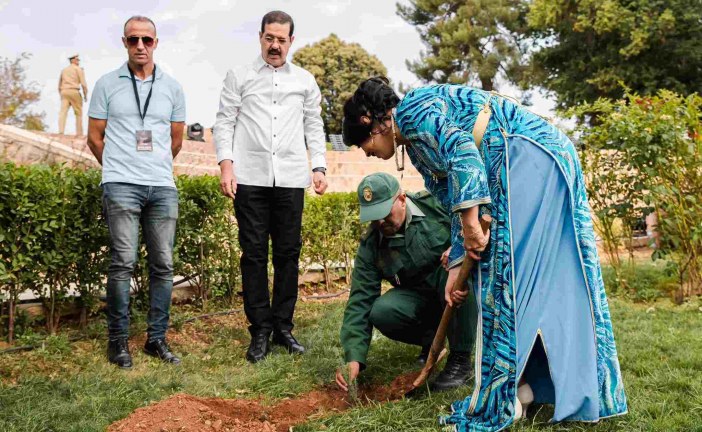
x=543, y=316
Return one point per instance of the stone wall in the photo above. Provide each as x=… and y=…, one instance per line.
x=28, y=147
x=346, y=169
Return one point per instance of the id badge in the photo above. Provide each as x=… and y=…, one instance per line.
x=144, y=141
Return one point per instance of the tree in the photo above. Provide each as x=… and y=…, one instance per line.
x=338, y=67
x=468, y=40
x=594, y=46
x=17, y=96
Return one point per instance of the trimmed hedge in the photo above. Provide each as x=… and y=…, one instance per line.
x=331, y=228
x=54, y=240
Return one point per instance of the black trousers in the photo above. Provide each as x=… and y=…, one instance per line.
x=275, y=212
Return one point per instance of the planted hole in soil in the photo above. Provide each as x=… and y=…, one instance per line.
x=186, y=413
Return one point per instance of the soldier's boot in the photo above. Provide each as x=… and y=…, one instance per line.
x=456, y=373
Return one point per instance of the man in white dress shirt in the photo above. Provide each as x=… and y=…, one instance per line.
x=269, y=116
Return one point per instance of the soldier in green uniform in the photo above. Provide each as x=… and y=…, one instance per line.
x=407, y=245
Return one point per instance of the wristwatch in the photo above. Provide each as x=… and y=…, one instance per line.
x=320, y=169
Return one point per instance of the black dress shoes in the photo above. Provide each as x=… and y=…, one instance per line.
x=455, y=374
x=285, y=339
x=159, y=348
x=259, y=347
x=118, y=353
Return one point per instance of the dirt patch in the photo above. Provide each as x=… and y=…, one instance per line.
x=191, y=336
x=185, y=413
x=393, y=391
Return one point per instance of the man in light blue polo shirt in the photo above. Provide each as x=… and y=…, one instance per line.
x=135, y=131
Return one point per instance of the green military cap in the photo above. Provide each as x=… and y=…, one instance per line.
x=377, y=193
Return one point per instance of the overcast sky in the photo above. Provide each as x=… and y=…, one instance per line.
x=198, y=41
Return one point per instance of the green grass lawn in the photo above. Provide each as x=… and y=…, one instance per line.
x=70, y=387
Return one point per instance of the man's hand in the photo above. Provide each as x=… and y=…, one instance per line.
x=444, y=258
x=475, y=240
x=85, y=98
x=320, y=182
x=227, y=179
x=354, y=368
x=454, y=298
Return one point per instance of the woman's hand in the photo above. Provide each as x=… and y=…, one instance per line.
x=475, y=240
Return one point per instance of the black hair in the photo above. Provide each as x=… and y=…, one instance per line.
x=373, y=98
x=278, y=17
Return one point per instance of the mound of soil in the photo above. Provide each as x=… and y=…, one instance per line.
x=186, y=413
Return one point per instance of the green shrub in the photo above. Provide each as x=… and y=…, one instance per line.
x=59, y=243
x=92, y=250
x=53, y=238
x=330, y=231
x=660, y=140
x=206, y=237
x=615, y=195
x=24, y=227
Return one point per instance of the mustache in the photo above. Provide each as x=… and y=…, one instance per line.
x=273, y=51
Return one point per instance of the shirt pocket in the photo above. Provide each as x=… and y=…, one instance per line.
x=426, y=248
x=389, y=261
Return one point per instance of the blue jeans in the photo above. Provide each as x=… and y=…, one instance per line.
x=155, y=208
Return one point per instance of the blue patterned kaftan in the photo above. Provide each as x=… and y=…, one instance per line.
x=540, y=278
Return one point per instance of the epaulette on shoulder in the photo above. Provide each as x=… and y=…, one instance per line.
x=422, y=194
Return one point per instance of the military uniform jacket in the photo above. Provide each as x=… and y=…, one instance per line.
x=409, y=260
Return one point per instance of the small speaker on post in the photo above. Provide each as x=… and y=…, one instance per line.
x=196, y=132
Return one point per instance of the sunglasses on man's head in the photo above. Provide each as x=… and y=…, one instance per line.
x=133, y=41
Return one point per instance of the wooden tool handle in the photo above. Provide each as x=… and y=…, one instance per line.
x=437, y=344
x=467, y=265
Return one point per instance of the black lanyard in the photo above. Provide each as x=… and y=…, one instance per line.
x=136, y=93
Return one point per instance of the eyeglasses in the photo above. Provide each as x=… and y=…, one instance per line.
x=380, y=131
x=382, y=127
x=133, y=41
x=270, y=39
